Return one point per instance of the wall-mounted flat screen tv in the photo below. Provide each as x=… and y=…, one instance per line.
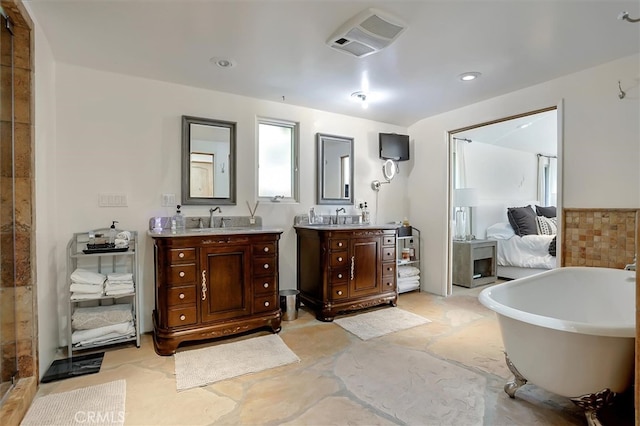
x=394, y=146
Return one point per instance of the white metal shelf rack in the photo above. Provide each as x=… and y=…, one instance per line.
x=411, y=242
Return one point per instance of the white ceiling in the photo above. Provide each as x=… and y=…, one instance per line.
x=280, y=51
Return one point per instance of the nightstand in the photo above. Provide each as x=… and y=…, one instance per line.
x=474, y=262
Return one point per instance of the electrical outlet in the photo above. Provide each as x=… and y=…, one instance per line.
x=168, y=200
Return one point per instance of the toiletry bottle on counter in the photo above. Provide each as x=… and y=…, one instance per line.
x=112, y=232
x=312, y=216
x=179, y=218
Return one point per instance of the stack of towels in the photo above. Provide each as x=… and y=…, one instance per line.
x=102, y=324
x=119, y=283
x=86, y=284
x=408, y=278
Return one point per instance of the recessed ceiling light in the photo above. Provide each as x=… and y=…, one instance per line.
x=223, y=62
x=468, y=76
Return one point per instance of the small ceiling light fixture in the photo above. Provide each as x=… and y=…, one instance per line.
x=223, y=62
x=624, y=16
x=468, y=76
x=360, y=97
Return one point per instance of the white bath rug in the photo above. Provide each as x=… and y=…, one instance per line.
x=380, y=322
x=200, y=367
x=94, y=405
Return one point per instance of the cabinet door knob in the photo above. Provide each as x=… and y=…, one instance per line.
x=340, y=259
x=266, y=303
x=266, y=249
x=181, y=255
x=183, y=317
x=181, y=274
x=181, y=296
x=265, y=266
x=339, y=292
x=265, y=285
x=339, y=275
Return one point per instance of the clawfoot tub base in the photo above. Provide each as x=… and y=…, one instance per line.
x=518, y=381
x=593, y=402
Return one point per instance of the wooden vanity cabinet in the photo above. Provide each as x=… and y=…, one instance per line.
x=345, y=270
x=214, y=285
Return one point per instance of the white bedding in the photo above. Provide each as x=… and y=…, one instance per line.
x=529, y=251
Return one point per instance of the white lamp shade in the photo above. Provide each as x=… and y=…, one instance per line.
x=465, y=197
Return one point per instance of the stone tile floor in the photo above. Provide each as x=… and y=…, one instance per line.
x=447, y=372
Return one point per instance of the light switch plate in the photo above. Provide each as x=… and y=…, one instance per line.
x=112, y=200
x=168, y=200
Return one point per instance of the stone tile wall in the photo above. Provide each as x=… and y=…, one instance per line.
x=599, y=237
x=17, y=180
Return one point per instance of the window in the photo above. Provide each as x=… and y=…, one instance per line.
x=277, y=159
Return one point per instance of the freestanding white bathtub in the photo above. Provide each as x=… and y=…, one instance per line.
x=570, y=331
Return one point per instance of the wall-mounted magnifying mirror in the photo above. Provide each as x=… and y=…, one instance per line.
x=208, y=161
x=335, y=169
x=389, y=169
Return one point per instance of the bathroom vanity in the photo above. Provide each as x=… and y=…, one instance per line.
x=214, y=282
x=344, y=268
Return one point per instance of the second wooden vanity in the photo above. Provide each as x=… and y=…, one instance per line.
x=343, y=269
x=213, y=284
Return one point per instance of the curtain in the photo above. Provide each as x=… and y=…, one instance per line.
x=547, y=180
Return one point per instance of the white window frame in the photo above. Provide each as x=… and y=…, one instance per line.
x=295, y=149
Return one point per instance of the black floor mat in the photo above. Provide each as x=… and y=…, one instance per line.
x=73, y=367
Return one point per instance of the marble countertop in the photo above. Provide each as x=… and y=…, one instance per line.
x=347, y=227
x=194, y=232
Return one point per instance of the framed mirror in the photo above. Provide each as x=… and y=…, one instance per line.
x=335, y=169
x=208, y=161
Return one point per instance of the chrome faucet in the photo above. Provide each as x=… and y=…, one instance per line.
x=631, y=266
x=211, y=211
x=341, y=209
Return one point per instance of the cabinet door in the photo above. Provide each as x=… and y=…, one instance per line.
x=225, y=283
x=365, y=274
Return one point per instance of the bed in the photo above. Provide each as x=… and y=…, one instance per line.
x=525, y=244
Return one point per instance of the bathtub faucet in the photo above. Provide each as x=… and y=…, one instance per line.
x=631, y=266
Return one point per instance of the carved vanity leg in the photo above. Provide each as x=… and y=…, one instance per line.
x=593, y=402
x=518, y=381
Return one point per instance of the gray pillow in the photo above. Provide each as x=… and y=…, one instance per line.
x=546, y=211
x=523, y=220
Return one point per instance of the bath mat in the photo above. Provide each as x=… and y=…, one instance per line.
x=94, y=405
x=200, y=367
x=380, y=322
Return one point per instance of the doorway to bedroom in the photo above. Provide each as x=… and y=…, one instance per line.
x=505, y=195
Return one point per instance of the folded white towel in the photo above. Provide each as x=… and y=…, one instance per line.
x=85, y=296
x=120, y=276
x=124, y=235
x=85, y=288
x=84, y=276
x=85, y=335
x=408, y=271
x=119, y=292
x=120, y=285
x=409, y=279
x=101, y=316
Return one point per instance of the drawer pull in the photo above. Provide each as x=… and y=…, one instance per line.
x=266, y=303
x=339, y=292
x=266, y=249
x=181, y=255
x=339, y=275
x=183, y=317
x=204, y=285
x=181, y=296
x=265, y=266
x=340, y=259
x=389, y=268
x=181, y=274
x=265, y=285
x=339, y=244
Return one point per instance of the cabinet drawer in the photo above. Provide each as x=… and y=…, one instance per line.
x=181, y=316
x=338, y=275
x=339, y=292
x=338, y=258
x=182, y=255
x=388, y=269
x=264, y=285
x=263, y=248
x=181, y=295
x=264, y=303
x=388, y=284
x=336, y=244
x=388, y=253
x=483, y=252
x=265, y=265
x=182, y=274
x=389, y=240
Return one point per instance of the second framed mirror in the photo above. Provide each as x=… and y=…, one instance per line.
x=335, y=169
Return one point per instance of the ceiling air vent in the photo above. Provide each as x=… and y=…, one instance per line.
x=368, y=32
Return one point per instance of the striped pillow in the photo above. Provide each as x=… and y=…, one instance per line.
x=547, y=225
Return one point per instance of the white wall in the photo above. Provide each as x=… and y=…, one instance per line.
x=599, y=161
x=121, y=134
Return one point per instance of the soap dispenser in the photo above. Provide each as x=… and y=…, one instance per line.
x=112, y=232
x=179, y=219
